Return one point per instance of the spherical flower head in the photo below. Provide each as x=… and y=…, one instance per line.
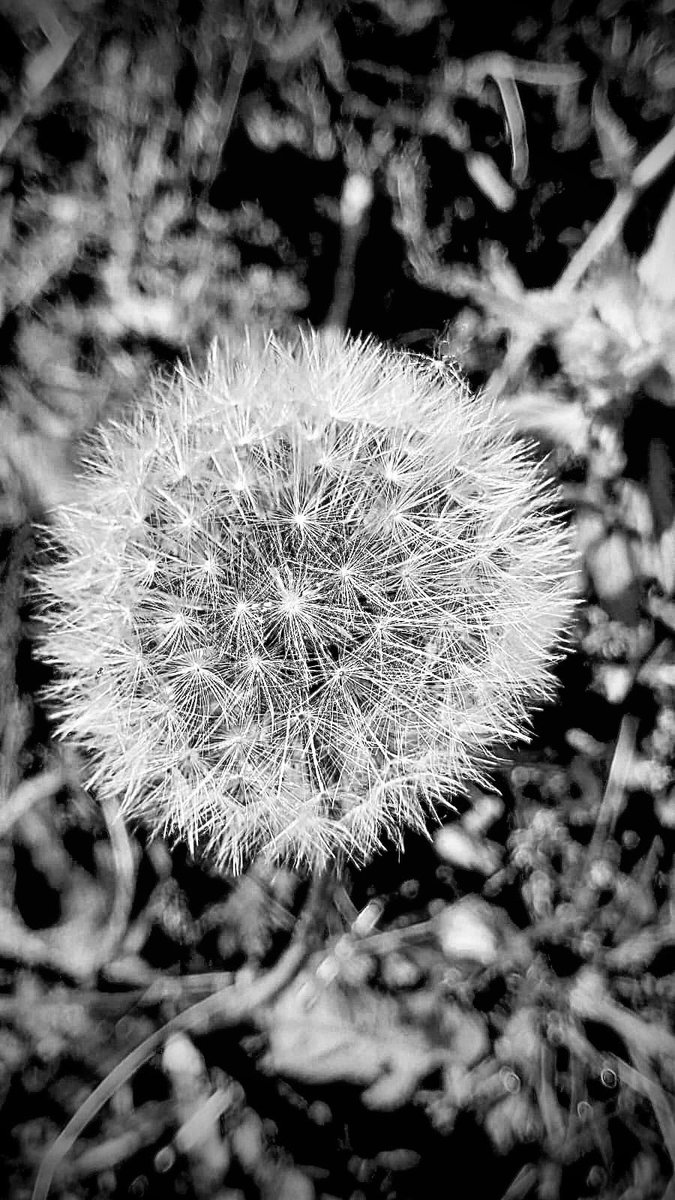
x=300, y=596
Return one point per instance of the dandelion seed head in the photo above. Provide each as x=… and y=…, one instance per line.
x=300, y=597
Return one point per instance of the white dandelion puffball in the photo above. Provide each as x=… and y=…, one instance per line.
x=298, y=597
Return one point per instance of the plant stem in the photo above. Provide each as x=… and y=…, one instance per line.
x=223, y=1008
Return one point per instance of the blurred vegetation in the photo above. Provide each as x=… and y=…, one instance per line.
x=490, y=183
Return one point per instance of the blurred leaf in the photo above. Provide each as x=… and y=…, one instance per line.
x=198, y=1110
x=464, y=935
x=459, y=848
x=590, y=1000
x=658, y=674
x=662, y=609
x=317, y=1035
x=559, y=421
x=475, y=931
x=512, y=1121
x=501, y=274
x=486, y=809
x=409, y=15
x=613, y=294
x=635, y=509
x=289, y=1183
x=610, y=564
x=617, y=147
x=665, y=811
x=520, y=1043
x=613, y=681
x=485, y=174
x=470, y=1038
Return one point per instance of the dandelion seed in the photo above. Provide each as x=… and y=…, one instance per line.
x=300, y=598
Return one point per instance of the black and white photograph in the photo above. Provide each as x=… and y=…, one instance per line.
x=337, y=600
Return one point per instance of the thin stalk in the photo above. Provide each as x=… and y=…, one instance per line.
x=224, y=1008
